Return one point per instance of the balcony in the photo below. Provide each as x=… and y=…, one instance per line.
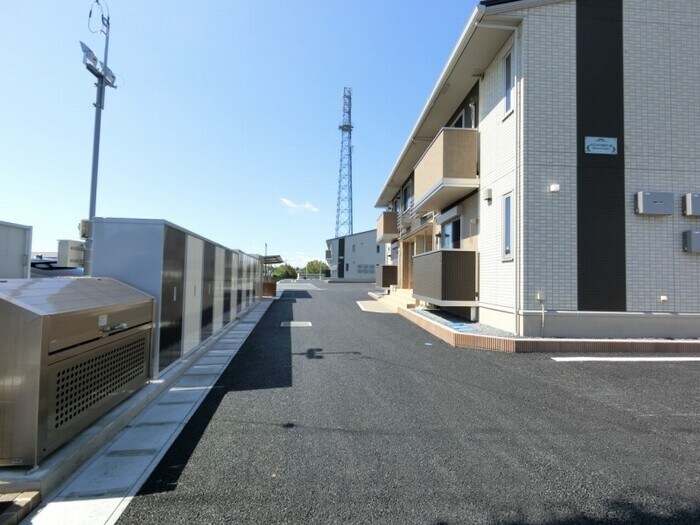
x=446, y=278
x=387, y=228
x=448, y=170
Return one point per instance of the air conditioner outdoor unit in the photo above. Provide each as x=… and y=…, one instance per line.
x=71, y=254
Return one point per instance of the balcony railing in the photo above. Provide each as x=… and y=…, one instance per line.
x=387, y=275
x=448, y=169
x=387, y=227
x=446, y=278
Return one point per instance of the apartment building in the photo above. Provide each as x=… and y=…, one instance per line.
x=551, y=184
x=354, y=257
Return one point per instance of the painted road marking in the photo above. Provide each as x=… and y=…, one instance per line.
x=295, y=324
x=628, y=359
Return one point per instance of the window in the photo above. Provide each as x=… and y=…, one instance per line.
x=452, y=235
x=408, y=195
x=507, y=227
x=508, y=80
x=347, y=267
x=455, y=234
x=459, y=121
x=397, y=203
x=353, y=248
x=377, y=248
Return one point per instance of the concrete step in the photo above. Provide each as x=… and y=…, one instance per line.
x=402, y=298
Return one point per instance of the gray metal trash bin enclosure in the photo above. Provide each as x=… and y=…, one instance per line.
x=71, y=350
x=15, y=250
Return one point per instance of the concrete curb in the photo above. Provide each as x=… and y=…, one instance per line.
x=543, y=345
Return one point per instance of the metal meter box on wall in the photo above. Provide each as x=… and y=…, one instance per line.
x=691, y=204
x=15, y=250
x=71, y=350
x=691, y=241
x=653, y=203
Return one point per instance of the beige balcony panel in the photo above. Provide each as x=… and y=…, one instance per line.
x=448, y=169
x=387, y=228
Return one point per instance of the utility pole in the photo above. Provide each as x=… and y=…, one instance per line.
x=105, y=78
x=343, y=217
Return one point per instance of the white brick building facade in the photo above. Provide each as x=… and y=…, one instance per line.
x=526, y=152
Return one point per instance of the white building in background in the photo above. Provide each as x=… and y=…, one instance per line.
x=354, y=258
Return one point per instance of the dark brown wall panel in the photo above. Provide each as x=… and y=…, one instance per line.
x=208, y=268
x=172, y=294
x=600, y=178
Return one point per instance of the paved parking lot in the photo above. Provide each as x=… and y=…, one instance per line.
x=351, y=416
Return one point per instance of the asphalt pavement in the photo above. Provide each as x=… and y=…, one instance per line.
x=365, y=418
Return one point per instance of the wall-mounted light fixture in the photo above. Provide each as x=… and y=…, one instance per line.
x=487, y=194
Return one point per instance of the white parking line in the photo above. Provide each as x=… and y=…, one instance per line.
x=295, y=324
x=627, y=359
x=373, y=306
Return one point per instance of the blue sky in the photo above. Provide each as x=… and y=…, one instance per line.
x=226, y=117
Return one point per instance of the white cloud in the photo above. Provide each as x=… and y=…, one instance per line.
x=289, y=204
x=293, y=206
x=310, y=207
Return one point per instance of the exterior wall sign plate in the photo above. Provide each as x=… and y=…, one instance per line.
x=653, y=203
x=600, y=145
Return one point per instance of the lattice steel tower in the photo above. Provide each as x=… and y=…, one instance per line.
x=343, y=217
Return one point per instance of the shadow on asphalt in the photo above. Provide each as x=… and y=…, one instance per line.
x=293, y=295
x=264, y=361
x=313, y=353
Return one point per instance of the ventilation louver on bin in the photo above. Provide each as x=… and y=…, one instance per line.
x=72, y=349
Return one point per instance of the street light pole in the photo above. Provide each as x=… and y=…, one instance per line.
x=99, y=106
x=105, y=78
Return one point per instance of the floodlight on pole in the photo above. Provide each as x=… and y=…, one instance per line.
x=105, y=77
x=108, y=76
x=90, y=60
